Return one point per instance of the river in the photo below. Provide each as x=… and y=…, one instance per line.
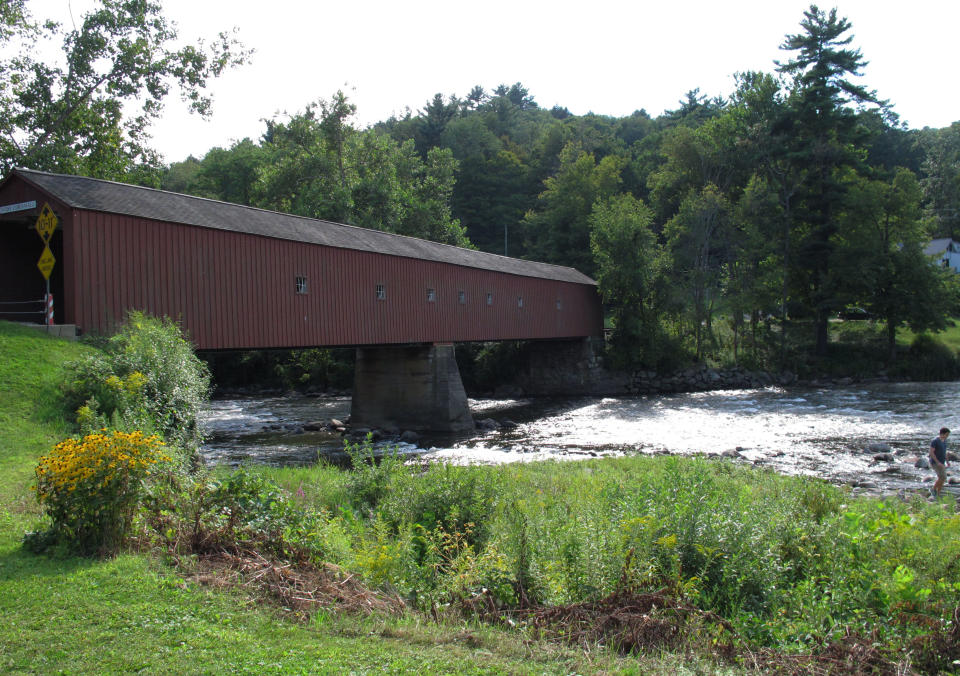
x=816, y=431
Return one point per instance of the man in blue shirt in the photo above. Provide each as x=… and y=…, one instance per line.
x=938, y=460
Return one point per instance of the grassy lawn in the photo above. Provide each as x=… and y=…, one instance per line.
x=949, y=336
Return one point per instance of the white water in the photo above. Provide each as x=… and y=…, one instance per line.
x=816, y=431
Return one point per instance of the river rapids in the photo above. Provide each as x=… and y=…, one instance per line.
x=866, y=436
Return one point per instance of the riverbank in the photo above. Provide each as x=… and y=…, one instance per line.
x=718, y=561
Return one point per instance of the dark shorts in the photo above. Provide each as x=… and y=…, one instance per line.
x=941, y=471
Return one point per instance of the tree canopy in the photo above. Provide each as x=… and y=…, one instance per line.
x=90, y=111
x=746, y=221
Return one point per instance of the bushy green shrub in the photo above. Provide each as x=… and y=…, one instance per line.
x=371, y=478
x=145, y=378
x=91, y=488
x=452, y=567
x=198, y=513
x=456, y=499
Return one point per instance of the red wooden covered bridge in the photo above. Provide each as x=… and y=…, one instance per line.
x=237, y=277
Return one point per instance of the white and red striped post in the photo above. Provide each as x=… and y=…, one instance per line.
x=48, y=318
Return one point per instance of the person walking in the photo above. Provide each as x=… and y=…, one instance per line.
x=938, y=460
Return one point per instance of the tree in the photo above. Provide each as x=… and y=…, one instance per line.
x=427, y=211
x=895, y=280
x=694, y=110
x=14, y=19
x=75, y=116
x=827, y=126
x=517, y=94
x=941, y=181
x=230, y=175
x=753, y=272
x=434, y=119
x=694, y=159
x=182, y=177
x=765, y=131
x=322, y=167
x=697, y=238
x=300, y=175
x=630, y=273
x=333, y=124
x=558, y=229
x=475, y=98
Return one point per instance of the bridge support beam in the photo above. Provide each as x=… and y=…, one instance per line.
x=409, y=388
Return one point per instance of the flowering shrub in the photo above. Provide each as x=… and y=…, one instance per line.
x=90, y=488
x=116, y=403
x=147, y=377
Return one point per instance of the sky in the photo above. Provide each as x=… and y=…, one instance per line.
x=600, y=56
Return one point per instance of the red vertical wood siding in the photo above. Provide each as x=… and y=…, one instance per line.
x=233, y=290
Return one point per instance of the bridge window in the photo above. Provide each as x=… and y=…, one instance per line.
x=462, y=297
x=301, y=285
x=489, y=299
x=381, y=292
x=559, y=304
x=431, y=295
x=519, y=301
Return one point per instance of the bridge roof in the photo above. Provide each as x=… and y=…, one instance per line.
x=92, y=194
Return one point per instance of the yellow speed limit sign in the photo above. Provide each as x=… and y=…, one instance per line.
x=46, y=223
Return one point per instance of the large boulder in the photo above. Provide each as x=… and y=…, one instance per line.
x=409, y=437
x=488, y=425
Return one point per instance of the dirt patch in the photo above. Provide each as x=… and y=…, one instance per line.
x=631, y=622
x=851, y=656
x=298, y=588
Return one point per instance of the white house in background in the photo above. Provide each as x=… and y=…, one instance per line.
x=946, y=252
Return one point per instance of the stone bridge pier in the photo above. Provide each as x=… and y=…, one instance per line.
x=409, y=387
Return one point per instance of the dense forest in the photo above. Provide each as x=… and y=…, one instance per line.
x=729, y=229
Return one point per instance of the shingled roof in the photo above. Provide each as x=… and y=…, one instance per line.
x=93, y=194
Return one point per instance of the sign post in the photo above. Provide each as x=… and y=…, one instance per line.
x=46, y=224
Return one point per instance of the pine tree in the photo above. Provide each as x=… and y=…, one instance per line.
x=823, y=120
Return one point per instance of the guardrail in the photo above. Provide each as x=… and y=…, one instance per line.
x=25, y=305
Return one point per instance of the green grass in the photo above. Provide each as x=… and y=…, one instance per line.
x=134, y=613
x=791, y=564
x=126, y=615
x=950, y=336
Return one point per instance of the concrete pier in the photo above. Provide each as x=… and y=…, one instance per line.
x=409, y=388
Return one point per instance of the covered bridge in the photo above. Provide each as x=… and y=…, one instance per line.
x=240, y=277
x=236, y=277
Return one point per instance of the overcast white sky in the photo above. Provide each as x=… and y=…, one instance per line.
x=603, y=56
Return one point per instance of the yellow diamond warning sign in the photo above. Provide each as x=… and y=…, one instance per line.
x=46, y=262
x=46, y=224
